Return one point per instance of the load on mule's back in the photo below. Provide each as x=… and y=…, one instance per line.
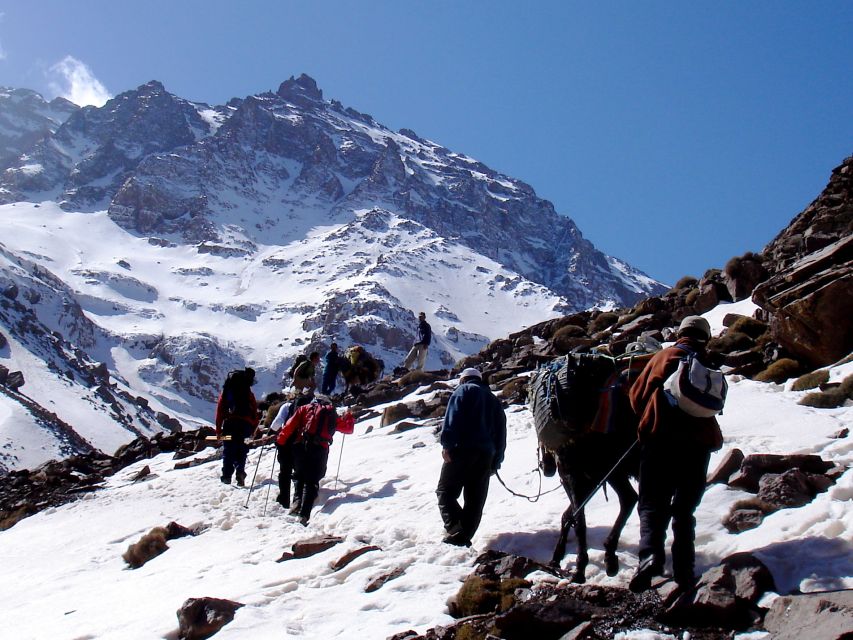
x=584, y=423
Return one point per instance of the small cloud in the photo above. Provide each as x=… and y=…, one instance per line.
x=75, y=81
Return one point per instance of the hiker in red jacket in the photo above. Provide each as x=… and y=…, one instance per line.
x=236, y=418
x=309, y=432
x=675, y=449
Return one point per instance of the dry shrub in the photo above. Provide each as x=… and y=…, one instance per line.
x=602, y=321
x=692, y=297
x=779, y=371
x=151, y=545
x=750, y=326
x=515, y=389
x=481, y=595
x=831, y=398
x=566, y=338
x=811, y=380
x=730, y=342
x=734, y=266
x=686, y=281
x=416, y=377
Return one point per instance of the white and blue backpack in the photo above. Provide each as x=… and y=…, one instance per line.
x=694, y=388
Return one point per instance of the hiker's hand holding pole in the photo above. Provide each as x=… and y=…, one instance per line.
x=445, y=455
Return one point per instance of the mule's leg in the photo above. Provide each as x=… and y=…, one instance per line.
x=627, y=500
x=566, y=523
x=581, y=492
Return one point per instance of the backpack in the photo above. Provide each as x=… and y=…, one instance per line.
x=564, y=397
x=320, y=425
x=299, y=360
x=236, y=392
x=695, y=389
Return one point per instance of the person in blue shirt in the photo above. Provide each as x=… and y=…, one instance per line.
x=473, y=440
x=419, y=349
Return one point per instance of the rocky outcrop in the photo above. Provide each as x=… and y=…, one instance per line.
x=25, y=118
x=816, y=616
x=811, y=303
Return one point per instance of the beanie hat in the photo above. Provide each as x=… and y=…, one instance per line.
x=470, y=372
x=698, y=324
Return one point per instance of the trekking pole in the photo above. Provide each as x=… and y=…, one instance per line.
x=255, y=475
x=341, y=455
x=269, y=486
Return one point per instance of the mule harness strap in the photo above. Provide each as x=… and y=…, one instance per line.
x=539, y=493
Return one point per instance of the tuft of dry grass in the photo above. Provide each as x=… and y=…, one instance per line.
x=779, y=371
x=810, y=380
x=830, y=398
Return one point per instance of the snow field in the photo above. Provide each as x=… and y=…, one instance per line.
x=65, y=577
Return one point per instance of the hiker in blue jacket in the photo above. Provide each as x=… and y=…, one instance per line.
x=473, y=441
x=419, y=349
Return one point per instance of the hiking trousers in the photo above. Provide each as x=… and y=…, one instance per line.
x=672, y=482
x=234, y=453
x=417, y=352
x=285, y=472
x=467, y=474
x=309, y=467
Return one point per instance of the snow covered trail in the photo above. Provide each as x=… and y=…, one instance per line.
x=64, y=576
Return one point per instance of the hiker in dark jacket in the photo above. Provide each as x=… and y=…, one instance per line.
x=236, y=418
x=331, y=367
x=284, y=450
x=419, y=349
x=309, y=433
x=674, y=452
x=473, y=441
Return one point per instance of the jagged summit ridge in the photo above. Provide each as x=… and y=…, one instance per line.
x=194, y=173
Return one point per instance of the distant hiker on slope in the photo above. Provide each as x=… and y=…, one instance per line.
x=303, y=374
x=331, y=367
x=309, y=432
x=674, y=452
x=419, y=349
x=236, y=419
x=473, y=441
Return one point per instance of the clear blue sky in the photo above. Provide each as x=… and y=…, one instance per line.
x=676, y=134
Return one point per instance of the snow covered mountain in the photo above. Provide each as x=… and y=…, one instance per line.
x=164, y=242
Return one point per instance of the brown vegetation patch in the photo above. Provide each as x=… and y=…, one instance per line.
x=779, y=371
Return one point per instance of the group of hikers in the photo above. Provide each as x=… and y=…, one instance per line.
x=675, y=449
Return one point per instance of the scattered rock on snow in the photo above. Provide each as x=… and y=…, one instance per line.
x=200, y=618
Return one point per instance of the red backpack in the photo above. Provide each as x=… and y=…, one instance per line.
x=320, y=425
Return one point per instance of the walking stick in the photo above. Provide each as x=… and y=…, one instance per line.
x=255, y=475
x=341, y=455
x=269, y=486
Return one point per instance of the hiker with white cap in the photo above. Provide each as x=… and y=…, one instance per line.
x=675, y=448
x=473, y=441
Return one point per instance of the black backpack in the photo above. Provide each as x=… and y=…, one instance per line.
x=236, y=392
x=299, y=360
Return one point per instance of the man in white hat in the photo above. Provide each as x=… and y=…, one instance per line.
x=473, y=441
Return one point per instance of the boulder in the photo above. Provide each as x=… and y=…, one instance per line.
x=350, y=556
x=200, y=618
x=785, y=490
x=755, y=466
x=15, y=380
x=379, y=581
x=730, y=463
x=816, y=616
x=810, y=304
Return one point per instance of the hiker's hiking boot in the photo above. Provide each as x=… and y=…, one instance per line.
x=241, y=479
x=303, y=520
x=225, y=479
x=457, y=540
x=295, y=508
x=642, y=580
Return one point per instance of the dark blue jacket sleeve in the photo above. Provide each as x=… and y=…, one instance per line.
x=499, y=433
x=424, y=333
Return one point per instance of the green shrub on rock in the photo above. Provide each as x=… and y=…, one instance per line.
x=811, y=380
x=779, y=371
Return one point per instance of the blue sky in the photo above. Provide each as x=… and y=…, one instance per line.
x=676, y=135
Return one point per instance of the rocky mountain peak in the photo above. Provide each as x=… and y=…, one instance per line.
x=302, y=91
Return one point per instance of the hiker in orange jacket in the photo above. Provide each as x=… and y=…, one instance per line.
x=675, y=449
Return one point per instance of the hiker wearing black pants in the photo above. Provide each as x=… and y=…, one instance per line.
x=307, y=435
x=675, y=449
x=473, y=441
x=236, y=418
